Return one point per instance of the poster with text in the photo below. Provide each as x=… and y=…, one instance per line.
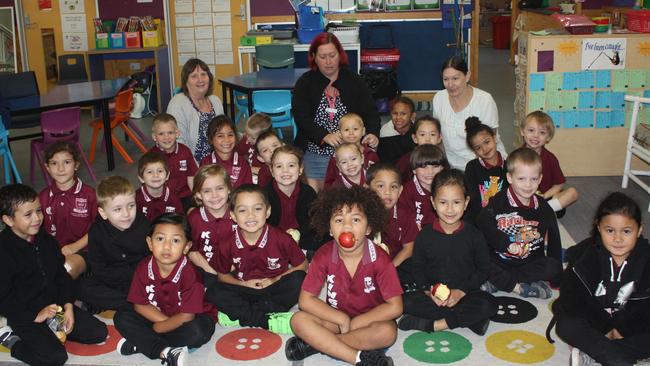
x=71, y=6
x=603, y=53
x=75, y=41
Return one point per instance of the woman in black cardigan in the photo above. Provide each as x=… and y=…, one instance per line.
x=321, y=97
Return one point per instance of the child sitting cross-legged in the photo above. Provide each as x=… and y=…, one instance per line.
x=356, y=322
x=604, y=309
x=223, y=137
x=69, y=205
x=163, y=326
x=352, y=130
x=154, y=197
x=35, y=287
x=260, y=268
x=522, y=232
x=454, y=256
x=116, y=244
x=290, y=199
x=266, y=144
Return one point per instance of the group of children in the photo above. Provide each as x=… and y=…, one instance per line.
x=405, y=237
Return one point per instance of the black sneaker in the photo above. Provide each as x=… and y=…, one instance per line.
x=126, y=348
x=560, y=214
x=410, y=322
x=480, y=328
x=296, y=349
x=374, y=358
x=176, y=356
x=7, y=337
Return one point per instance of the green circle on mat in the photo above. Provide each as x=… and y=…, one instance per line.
x=437, y=347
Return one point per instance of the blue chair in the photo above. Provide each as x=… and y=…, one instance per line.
x=241, y=106
x=277, y=105
x=7, y=159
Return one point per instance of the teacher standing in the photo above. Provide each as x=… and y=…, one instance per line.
x=453, y=105
x=321, y=96
x=195, y=107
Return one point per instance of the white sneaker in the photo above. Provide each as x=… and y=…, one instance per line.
x=579, y=358
x=176, y=356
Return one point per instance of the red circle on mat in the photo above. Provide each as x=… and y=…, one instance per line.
x=95, y=349
x=248, y=344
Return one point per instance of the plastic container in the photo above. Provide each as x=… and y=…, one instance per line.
x=151, y=38
x=346, y=34
x=399, y=5
x=307, y=35
x=426, y=4
x=602, y=24
x=116, y=40
x=132, y=40
x=101, y=40
x=638, y=21
x=500, y=31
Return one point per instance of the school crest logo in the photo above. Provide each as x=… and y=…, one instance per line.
x=368, y=285
x=272, y=263
x=182, y=165
x=80, y=205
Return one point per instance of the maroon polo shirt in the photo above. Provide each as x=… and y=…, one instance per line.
x=264, y=176
x=244, y=148
x=404, y=167
x=180, y=292
x=552, y=174
x=270, y=256
x=415, y=202
x=67, y=215
x=342, y=180
x=207, y=230
x=374, y=282
x=181, y=165
x=288, y=219
x=332, y=173
x=153, y=207
x=399, y=231
x=237, y=167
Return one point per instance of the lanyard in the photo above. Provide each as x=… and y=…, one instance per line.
x=331, y=101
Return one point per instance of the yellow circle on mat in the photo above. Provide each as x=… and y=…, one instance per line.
x=4, y=349
x=519, y=346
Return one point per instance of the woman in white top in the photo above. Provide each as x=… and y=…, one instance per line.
x=195, y=107
x=455, y=104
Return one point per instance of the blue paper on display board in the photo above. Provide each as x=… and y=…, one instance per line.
x=536, y=82
x=449, y=9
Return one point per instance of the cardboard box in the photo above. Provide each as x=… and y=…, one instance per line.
x=132, y=40
x=101, y=40
x=116, y=40
x=151, y=39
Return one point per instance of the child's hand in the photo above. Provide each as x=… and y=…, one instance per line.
x=370, y=140
x=614, y=334
x=455, y=296
x=68, y=318
x=266, y=282
x=69, y=249
x=47, y=312
x=344, y=323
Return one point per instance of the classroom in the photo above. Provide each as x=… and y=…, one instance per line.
x=324, y=182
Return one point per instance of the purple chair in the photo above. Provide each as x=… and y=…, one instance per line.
x=58, y=125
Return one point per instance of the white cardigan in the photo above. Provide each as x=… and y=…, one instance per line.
x=482, y=106
x=188, y=118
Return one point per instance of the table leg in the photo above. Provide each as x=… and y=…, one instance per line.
x=249, y=94
x=108, y=142
x=241, y=64
x=232, y=103
x=225, y=100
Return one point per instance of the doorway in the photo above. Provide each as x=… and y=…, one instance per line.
x=49, y=52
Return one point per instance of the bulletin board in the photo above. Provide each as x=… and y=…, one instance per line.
x=581, y=82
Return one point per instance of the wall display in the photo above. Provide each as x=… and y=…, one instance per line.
x=7, y=40
x=603, y=53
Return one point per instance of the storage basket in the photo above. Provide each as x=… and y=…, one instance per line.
x=346, y=34
x=638, y=21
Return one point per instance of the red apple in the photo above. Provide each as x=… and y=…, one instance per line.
x=347, y=240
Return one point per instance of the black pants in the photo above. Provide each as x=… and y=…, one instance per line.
x=100, y=296
x=579, y=333
x=505, y=277
x=474, y=307
x=250, y=306
x=405, y=274
x=39, y=346
x=139, y=331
